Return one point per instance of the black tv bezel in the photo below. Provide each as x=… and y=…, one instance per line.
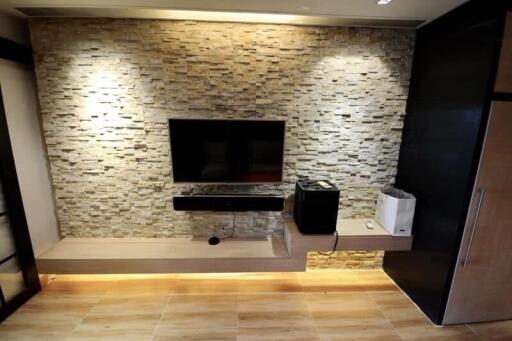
x=224, y=182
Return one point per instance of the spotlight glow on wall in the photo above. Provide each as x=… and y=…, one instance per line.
x=234, y=16
x=101, y=105
x=383, y=2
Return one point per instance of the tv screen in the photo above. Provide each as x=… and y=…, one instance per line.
x=227, y=151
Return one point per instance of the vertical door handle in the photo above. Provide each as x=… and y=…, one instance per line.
x=481, y=191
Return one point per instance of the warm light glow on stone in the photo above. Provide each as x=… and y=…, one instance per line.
x=107, y=88
x=103, y=102
x=277, y=18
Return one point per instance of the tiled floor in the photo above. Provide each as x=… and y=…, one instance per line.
x=316, y=305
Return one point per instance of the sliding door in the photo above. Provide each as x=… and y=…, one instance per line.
x=18, y=274
x=483, y=277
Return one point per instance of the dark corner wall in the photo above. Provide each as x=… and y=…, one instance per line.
x=454, y=63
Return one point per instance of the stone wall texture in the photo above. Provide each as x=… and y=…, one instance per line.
x=108, y=86
x=367, y=260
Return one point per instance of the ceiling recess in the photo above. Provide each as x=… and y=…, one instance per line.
x=221, y=16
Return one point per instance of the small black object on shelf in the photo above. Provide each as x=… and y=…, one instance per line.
x=316, y=206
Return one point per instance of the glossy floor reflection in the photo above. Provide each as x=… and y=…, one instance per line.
x=315, y=305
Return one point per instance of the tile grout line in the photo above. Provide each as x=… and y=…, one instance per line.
x=372, y=297
x=470, y=327
x=101, y=296
x=237, y=312
x=155, y=332
x=413, y=303
x=310, y=313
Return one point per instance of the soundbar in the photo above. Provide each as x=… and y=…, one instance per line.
x=228, y=203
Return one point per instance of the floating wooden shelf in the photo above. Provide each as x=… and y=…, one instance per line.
x=353, y=236
x=168, y=255
x=165, y=255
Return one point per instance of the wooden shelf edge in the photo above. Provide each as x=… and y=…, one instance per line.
x=346, y=242
x=141, y=266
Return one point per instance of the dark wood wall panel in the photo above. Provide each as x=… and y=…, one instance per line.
x=504, y=76
x=449, y=98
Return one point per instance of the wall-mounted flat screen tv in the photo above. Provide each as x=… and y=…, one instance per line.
x=227, y=151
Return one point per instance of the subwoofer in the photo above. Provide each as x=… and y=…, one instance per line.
x=316, y=206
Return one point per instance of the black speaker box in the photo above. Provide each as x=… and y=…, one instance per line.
x=316, y=207
x=228, y=203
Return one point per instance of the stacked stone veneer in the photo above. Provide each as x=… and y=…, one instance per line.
x=345, y=260
x=108, y=86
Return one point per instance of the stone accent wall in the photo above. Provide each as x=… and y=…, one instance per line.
x=108, y=86
x=346, y=260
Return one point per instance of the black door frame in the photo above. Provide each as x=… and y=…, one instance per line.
x=15, y=210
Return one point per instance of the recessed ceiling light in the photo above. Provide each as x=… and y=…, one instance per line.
x=383, y=2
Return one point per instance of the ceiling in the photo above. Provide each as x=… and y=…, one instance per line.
x=399, y=13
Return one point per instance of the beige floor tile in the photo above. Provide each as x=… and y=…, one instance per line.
x=420, y=328
x=34, y=331
x=348, y=317
x=297, y=333
x=60, y=303
x=199, y=320
x=51, y=320
x=397, y=307
x=129, y=304
x=206, y=286
x=78, y=287
x=495, y=331
x=442, y=334
x=132, y=325
x=48, y=316
x=411, y=324
x=330, y=281
x=272, y=302
x=377, y=331
x=279, y=286
x=143, y=286
x=108, y=335
x=316, y=305
x=376, y=281
x=212, y=334
x=266, y=319
x=339, y=301
x=269, y=283
x=202, y=303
